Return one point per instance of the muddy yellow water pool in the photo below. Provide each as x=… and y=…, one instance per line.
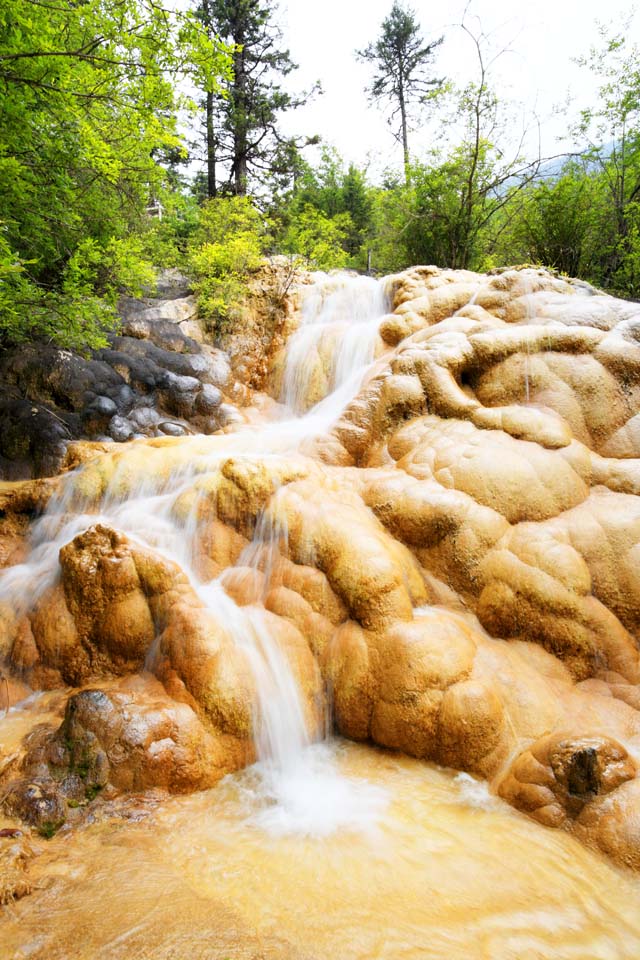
x=435, y=869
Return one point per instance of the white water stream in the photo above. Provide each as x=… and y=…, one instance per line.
x=302, y=789
x=342, y=316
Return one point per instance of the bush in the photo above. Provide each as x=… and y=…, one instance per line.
x=319, y=238
x=225, y=249
x=82, y=311
x=166, y=242
x=119, y=266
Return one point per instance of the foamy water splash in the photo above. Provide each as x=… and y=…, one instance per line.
x=312, y=799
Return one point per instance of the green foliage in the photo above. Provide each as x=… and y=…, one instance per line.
x=443, y=216
x=86, y=105
x=585, y=221
x=225, y=249
x=556, y=222
x=165, y=241
x=612, y=126
x=74, y=317
x=88, y=137
x=318, y=238
x=106, y=269
x=328, y=218
x=449, y=210
x=391, y=216
x=357, y=203
x=224, y=218
x=627, y=276
x=49, y=828
x=320, y=187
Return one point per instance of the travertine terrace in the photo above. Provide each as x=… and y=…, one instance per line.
x=442, y=533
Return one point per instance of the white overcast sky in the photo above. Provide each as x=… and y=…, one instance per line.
x=543, y=37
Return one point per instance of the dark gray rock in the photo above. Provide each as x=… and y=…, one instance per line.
x=177, y=394
x=33, y=440
x=150, y=374
x=120, y=429
x=172, y=309
x=208, y=400
x=162, y=333
x=144, y=418
x=172, y=429
x=58, y=378
x=102, y=407
x=124, y=397
x=177, y=384
x=97, y=415
x=171, y=283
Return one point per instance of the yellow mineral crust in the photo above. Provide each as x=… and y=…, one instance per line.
x=493, y=448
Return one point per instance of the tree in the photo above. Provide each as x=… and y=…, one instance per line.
x=242, y=134
x=357, y=202
x=205, y=13
x=86, y=107
x=318, y=238
x=612, y=129
x=459, y=198
x=400, y=58
x=343, y=204
x=557, y=221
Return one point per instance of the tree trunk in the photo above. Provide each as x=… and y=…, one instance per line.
x=405, y=135
x=212, y=188
x=240, y=120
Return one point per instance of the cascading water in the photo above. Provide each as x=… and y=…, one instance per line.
x=453, y=870
x=299, y=780
x=340, y=316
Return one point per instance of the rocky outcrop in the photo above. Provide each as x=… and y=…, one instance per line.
x=117, y=612
x=452, y=567
x=264, y=320
x=558, y=776
x=157, y=378
x=131, y=737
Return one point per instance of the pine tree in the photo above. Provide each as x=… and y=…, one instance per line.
x=242, y=135
x=400, y=57
x=357, y=202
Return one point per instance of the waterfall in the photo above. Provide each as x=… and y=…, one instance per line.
x=340, y=317
x=299, y=780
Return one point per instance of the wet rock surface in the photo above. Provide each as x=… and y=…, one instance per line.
x=15, y=853
x=126, y=737
x=157, y=377
x=558, y=776
x=454, y=559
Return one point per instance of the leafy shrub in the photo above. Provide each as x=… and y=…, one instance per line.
x=319, y=238
x=81, y=312
x=226, y=248
x=119, y=266
x=166, y=241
